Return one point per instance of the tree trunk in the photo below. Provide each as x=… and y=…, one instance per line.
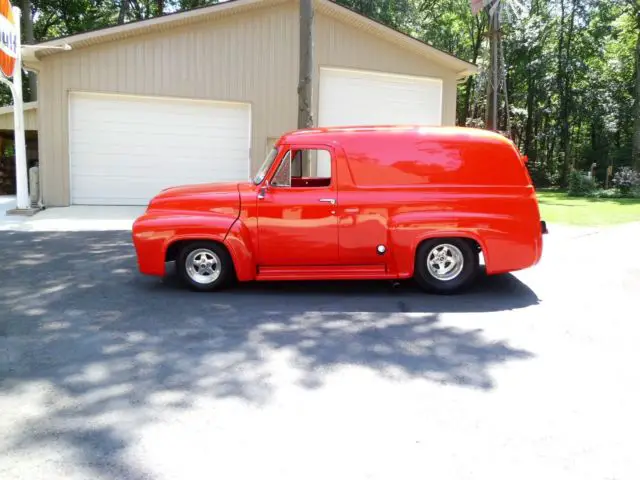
x=27, y=15
x=493, y=77
x=567, y=97
x=477, y=45
x=636, y=110
x=564, y=87
x=159, y=7
x=305, y=85
x=124, y=10
x=528, y=133
x=504, y=81
x=561, y=74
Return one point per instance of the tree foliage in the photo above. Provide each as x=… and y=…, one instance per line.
x=571, y=67
x=571, y=71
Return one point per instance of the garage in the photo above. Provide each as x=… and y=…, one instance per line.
x=201, y=95
x=124, y=149
x=357, y=97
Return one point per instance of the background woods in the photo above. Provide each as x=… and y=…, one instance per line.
x=571, y=67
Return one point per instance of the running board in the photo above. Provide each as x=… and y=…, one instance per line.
x=324, y=272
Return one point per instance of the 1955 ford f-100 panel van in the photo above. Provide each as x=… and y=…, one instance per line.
x=354, y=203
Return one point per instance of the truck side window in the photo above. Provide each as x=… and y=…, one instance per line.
x=306, y=168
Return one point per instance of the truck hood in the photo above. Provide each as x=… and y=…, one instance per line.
x=220, y=198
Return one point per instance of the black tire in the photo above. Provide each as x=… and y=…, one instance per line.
x=217, y=253
x=463, y=279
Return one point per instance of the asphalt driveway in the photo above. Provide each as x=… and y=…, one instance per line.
x=108, y=374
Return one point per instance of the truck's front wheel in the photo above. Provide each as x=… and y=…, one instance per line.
x=204, y=266
x=446, y=265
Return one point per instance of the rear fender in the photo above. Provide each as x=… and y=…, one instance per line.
x=409, y=230
x=507, y=243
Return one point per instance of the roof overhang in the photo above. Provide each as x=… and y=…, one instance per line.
x=25, y=107
x=32, y=54
x=7, y=121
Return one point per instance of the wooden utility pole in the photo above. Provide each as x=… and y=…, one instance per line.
x=30, y=40
x=124, y=10
x=305, y=84
x=505, y=87
x=636, y=107
x=494, y=80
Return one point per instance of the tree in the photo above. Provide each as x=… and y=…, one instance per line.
x=123, y=12
x=635, y=12
x=27, y=20
x=305, y=85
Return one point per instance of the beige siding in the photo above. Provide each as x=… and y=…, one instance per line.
x=250, y=57
x=30, y=120
x=339, y=44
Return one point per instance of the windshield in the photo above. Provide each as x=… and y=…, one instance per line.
x=265, y=166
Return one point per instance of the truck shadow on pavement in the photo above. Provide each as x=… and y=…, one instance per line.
x=96, y=347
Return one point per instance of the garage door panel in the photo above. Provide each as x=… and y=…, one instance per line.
x=123, y=150
x=89, y=156
x=138, y=145
x=102, y=166
x=143, y=165
x=136, y=137
x=171, y=122
x=159, y=131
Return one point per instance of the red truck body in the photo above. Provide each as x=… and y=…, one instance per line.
x=378, y=202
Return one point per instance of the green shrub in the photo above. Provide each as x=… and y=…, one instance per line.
x=626, y=180
x=602, y=193
x=542, y=177
x=579, y=185
x=614, y=193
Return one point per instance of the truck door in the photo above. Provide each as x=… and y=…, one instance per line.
x=297, y=221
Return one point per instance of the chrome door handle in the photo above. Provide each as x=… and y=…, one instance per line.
x=328, y=200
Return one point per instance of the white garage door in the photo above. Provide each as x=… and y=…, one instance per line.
x=124, y=149
x=354, y=97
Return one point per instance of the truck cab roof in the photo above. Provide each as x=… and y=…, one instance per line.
x=437, y=133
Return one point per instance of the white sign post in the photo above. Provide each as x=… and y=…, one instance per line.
x=22, y=180
x=11, y=36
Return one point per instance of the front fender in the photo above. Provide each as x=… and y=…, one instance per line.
x=240, y=245
x=155, y=231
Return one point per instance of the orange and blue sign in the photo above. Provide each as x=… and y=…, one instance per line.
x=8, y=39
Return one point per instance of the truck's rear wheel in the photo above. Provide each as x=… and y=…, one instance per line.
x=446, y=265
x=204, y=266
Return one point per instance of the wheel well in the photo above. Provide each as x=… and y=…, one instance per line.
x=174, y=248
x=474, y=244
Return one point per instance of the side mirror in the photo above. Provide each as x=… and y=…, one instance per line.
x=263, y=190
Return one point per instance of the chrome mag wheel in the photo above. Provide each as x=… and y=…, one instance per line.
x=445, y=262
x=203, y=266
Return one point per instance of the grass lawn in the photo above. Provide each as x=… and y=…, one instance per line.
x=557, y=207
